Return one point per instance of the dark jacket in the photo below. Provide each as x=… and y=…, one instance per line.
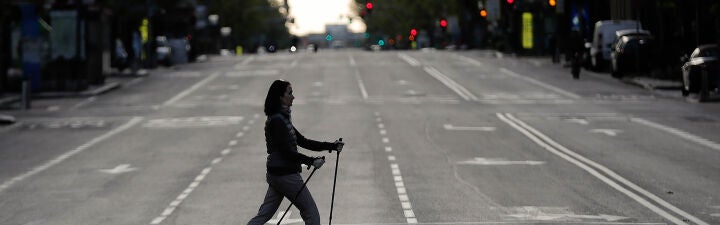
x=282, y=139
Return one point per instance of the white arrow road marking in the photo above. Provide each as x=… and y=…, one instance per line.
x=451, y=127
x=6, y=184
x=608, y=132
x=499, y=161
x=122, y=168
x=285, y=220
x=576, y=120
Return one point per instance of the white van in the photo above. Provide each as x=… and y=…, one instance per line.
x=603, y=37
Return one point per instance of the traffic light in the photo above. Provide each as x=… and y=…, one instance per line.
x=552, y=3
x=368, y=7
x=443, y=24
x=510, y=1
x=413, y=32
x=483, y=13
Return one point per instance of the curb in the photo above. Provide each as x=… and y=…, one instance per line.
x=9, y=100
x=97, y=91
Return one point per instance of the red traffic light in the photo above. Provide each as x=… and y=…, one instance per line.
x=369, y=5
x=510, y=1
x=443, y=23
x=413, y=32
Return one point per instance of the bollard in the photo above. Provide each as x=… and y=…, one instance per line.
x=26, y=94
x=704, y=86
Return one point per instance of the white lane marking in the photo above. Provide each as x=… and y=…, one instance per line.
x=499, y=162
x=536, y=213
x=397, y=177
x=252, y=73
x=352, y=61
x=61, y=158
x=193, y=122
x=608, y=132
x=232, y=143
x=286, y=219
x=188, y=91
x=540, y=83
x=576, y=120
x=457, y=88
x=451, y=127
x=383, y=132
x=193, y=185
x=244, y=62
x=385, y=140
x=363, y=91
x=471, y=61
x=84, y=102
x=239, y=134
x=593, y=167
x=687, y=136
x=409, y=60
x=122, y=168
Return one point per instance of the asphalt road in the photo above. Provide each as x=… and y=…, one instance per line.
x=431, y=138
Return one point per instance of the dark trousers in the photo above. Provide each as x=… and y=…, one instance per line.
x=287, y=186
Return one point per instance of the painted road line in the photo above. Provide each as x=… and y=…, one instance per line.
x=193, y=185
x=471, y=61
x=244, y=62
x=409, y=60
x=457, y=88
x=363, y=91
x=191, y=89
x=397, y=178
x=593, y=168
x=451, y=127
x=687, y=136
x=499, y=162
x=84, y=102
x=540, y=83
x=63, y=157
x=352, y=61
x=608, y=132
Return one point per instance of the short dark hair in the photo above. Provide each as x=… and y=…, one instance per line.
x=272, y=100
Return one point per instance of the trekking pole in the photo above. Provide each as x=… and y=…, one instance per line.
x=332, y=200
x=298, y=194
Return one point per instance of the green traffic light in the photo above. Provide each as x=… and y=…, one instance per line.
x=328, y=37
x=381, y=42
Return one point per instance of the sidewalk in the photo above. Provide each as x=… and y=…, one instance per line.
x=10, y=101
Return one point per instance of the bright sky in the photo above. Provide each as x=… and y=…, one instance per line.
x=311, y=16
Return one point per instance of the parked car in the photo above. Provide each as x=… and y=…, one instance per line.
x=163, y=51
x=632, y=51
x=603, y=37
x=703, y=58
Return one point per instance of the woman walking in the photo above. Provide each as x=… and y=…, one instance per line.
x=283, y=161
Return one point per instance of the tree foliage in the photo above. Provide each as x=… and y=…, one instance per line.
x=392, y=17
